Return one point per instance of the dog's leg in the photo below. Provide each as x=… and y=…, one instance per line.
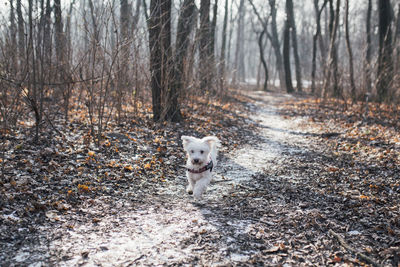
x=190, y=186
x=200, y=187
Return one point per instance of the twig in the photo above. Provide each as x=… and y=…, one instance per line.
x=248, y=188
x=221, y=181
x=135, y=260
x=358, y=254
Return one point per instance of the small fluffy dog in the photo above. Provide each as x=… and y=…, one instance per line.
x=201, y=158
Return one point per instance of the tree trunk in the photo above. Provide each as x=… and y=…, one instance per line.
x=33, y=93
x=47, y=34
x=21, y=35
x=156, y=56
x=212, y=35
x=262, y=57
x=337, y=90
x=385, y=64
x=237, y=75
x=316, y=36
x=59, y=33
x=135, y=18
x=292, y=24
x=350, y=52
x=332, y=60
x=396, y=42
x=124, y=45
x=184, y=29
x=274, y=37
x=62, y=57
x=160, y=55
x=286, y=57
x=13, y=35
x=368, y=52
x=228, y=56
x=223, y=49
x=205, y=43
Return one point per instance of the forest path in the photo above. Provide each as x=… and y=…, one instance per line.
x=274, y=201
x=171, y=228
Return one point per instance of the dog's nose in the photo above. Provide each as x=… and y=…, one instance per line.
x=195, y=161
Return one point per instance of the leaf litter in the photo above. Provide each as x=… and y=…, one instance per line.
x=287, y=177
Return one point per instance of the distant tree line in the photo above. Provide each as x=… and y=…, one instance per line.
x=109, y=57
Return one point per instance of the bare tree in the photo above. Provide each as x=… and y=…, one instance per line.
x=213, y=28
x=124, y=51
x=21, y=34
x=293, y=33
x=350, y=52
x=64, y=77
x=262, y=57
x=223, y=49
x=239, y=68
x=317, y=35
x=204, y=48
x=286, y=52
x=184, y=29
x=274, y=38
x=13, y=37
x=368, y=49
x=332, y=60
x=264, y=23
x=160, y=56
x=385, y=64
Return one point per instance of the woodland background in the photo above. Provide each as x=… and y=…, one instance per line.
x=105, y=60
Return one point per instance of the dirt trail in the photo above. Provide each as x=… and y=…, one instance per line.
x=171, y=227
x=259, y=210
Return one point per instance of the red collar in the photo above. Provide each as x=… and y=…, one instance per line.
x=209, y=166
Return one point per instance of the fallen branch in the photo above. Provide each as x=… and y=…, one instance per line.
x=358, y=254
x=221, y=181
x=247, y=187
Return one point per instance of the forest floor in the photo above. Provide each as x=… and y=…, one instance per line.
x=298, y=183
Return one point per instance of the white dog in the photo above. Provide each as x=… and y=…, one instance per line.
x=201, y=158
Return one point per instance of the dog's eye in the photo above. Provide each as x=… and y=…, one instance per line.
x=192, y=151
x=201, y=151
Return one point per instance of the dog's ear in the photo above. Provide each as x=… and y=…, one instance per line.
x=211, y=141
x=186, y=140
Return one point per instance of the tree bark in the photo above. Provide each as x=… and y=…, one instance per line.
x=156, y=56
x=332, y=60
x=368, y=52
x=316, y=36
x=350, y=52
x=293, y=32
x=238, y=64
x=13, y=35
x=123, y=82
x=59, y=32
x=274, y=37
x=160, y=57
x=286, y=57
x=262, y=57
x=223, y=49
x=385, y=64
x=205, y=43
x=212, y=34
x=21, y=35
x=184, y=29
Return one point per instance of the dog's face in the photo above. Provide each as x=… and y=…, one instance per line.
x=197, y=150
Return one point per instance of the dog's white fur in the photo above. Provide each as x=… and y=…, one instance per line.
x=199, y=153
